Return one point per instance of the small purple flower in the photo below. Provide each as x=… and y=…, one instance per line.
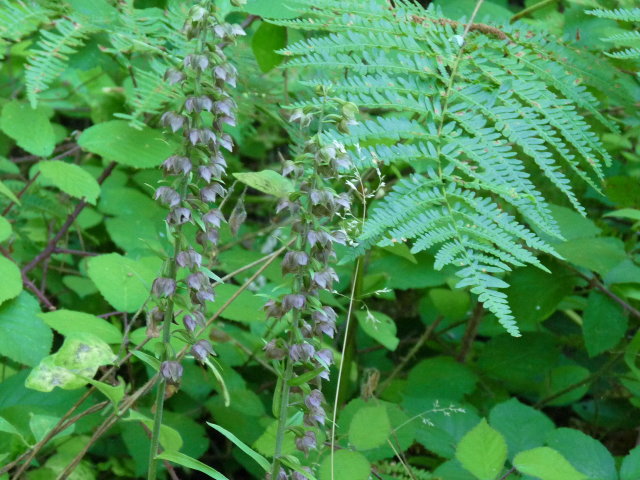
x=325, y=278
x=293, y=300
x=213, y=217
x=190, y=323
x=273, y=351
x=314, y=416
x=226, y=142
x=204, y=295
x=300, y=476
x=293, y=260
x=173, y=76
x=163, y=287
x=325, y=321
x=302, y=352
x=201, y=350
x=197, y=280
x=173, y=120
x=306, y=442
x=273, y=309
x=325, y=357
x=211, y=192
x=179, y=216
x=177, y=165
x=171, y=372
x=167, y=196
x=315, y=399
x=189, y=258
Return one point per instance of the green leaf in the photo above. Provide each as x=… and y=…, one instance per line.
x=563, y=377
x=189, y=462
x=67, y=322
x=271, y=8
x=71, y=179
x=170, y=439
x=5, y=229
x=630, y=469
x=78, y=358
x=263, y=462
x=267, y=39
x=4, y=190
x=597, y=254
x=512, y=418
x=266, y=181
x=348, y=465
x=123, y=282
x=585, y=453
x=24, y=337
x=29, y=127
x=628, y=213
x=369, y=427
x=482, y=451
x=440, y=378
x=117, y=141
x=153, y=362
x=113, y=393
x=453, y=304
x=11, y=284
x=546, y=464
x=604, y=324
x=247, y=307
x=380, y=327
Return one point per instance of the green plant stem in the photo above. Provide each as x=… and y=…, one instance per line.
x=166, y=338
x=282, y=417
x=531, y=9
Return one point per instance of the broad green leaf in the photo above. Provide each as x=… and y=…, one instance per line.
x=4, y=190
x=266, y=181
x=189, y=462
x=276, y=9
x=113, y=393
x=369, y=427
x=79, y=285
x=560, y=378
x=267, y=39
x=604, y=324
x=266, y=442
x=71, y=179
x=482, y=451
x=453, y=304
x=170, y=439
x=585, y=453
x=24, y=337
x=5, y=229
x=7, y=427
x=380, y=327
x=628, y=213
x=512, y=418
x=440, y=378
x=116, y=140
x=630, y=469
x=67, y=322
x=246, y=308
x=404, y=274
x=29, y=127
x=11, y=284
x=597, y=254
x=80, y=356
x=572, y=224
x=348, y=465
x=153, y=362
x=263, y=462
x=546, y=463
x=123, y=282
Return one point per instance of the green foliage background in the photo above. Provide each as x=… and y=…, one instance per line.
x=432, y=386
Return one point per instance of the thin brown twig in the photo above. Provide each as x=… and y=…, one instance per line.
x=470, y=332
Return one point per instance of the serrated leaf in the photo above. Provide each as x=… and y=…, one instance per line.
x=482, y=451
x=116, y=140
x=67, y=322
x=24, y=337
x=266, y=181
x=29, y=127
x=585, y=453
x=11, y=283
x=71, y=179
x=369, y=427
x=546, y=464
x=123, y=282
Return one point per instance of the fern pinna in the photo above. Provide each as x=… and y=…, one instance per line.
x=629, y=41
x=474, y=110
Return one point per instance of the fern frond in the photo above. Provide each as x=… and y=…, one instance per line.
x=49, y=58
x=19, y=18
x=628, y=39
x=470, y=116
x=621, y=14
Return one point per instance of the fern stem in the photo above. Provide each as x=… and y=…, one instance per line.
x=531, y=9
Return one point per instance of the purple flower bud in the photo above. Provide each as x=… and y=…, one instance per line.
x=324, y=321
x=179, y=216
x=210, y=235
x=189, y=323
x=344, y=200
x=315, y=399
x=224, y=107
x=189, y=258
x=197, y=280
x=197, y=62
x=177, y=165
x=198, y=104
x=293, y=300
x=325, y=278
x=171, y=372
x=306, y=442
x=201, y=350
x=302, y=352
x=211, y=192
x=173, y=76
x=226, y=142
x=173, y=120
x=340, y=237
x=273, y=352
x=163, y=287
x=325, y=357
x=273, y=309
x=203, y=296
x=282, y=475
x=293, y=260
x=314, y=416
x=213, y=217
x=167, y=196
